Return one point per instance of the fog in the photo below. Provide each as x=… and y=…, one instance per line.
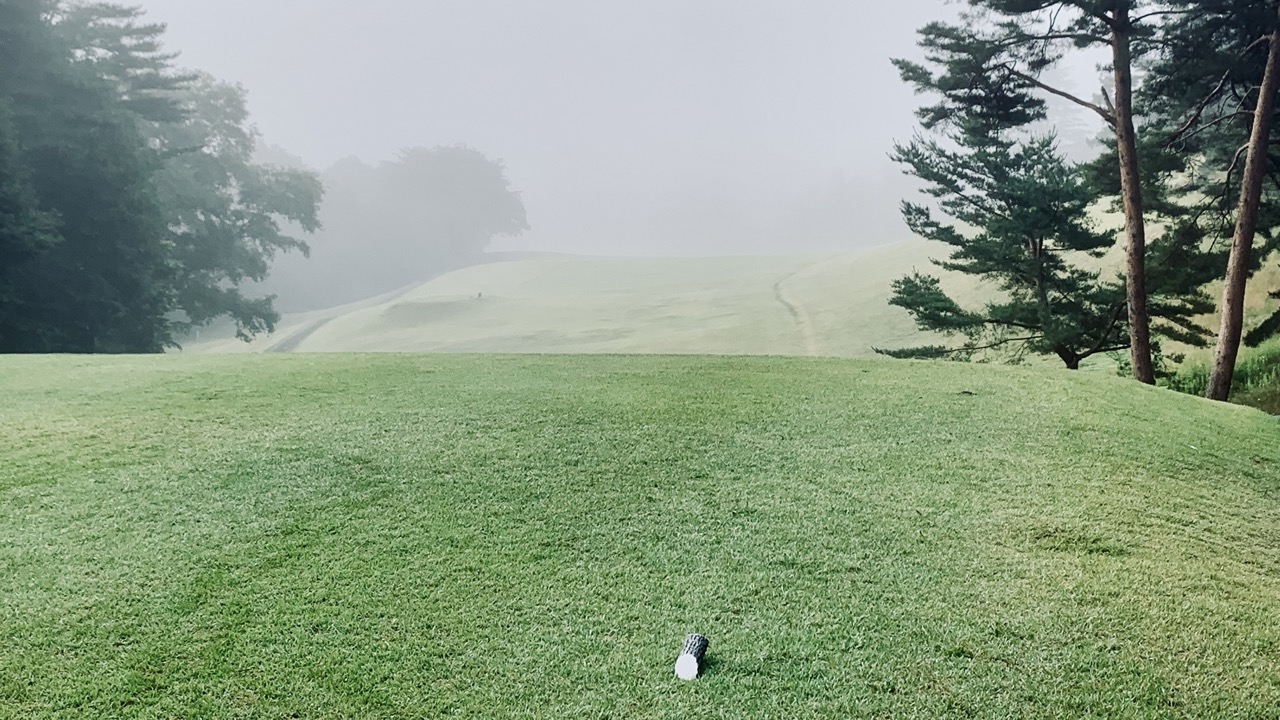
x=655, y=127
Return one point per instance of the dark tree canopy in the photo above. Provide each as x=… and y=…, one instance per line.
x=104, y=284
x=227, y=214
x=130, y=207
x=26, y=231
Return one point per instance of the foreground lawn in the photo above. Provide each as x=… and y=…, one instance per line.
x=460, y=536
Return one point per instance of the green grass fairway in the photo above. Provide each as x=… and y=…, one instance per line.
x=752, y=305
x=393, y=536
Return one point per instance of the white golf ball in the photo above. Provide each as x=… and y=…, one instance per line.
x=686, y=667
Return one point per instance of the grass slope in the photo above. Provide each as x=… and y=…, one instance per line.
x=530, y=537
x=833, y=305
x=784, y=305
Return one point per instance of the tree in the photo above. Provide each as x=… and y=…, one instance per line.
x=129, y=202
x=1246, y=227
x=115, y=43
x=1027, y=208
x=1213, y=91
x=103, y=285
x=457, y=200
x=226, y=213
x=990, y=73
x=26, y=231
x=429, y=211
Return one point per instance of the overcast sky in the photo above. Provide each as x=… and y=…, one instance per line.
x=636, y=126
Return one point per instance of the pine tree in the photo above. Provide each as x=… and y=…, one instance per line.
x=990, y=72
x=26, y=231
x=116, y=43
x=1212, y=90
x=1031, y=235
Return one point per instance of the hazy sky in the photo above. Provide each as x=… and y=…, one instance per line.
x=644, y=126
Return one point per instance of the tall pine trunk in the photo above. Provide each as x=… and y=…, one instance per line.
x=1255, y=166
x=1131, y=192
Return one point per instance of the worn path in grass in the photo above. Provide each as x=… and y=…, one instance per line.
x=530, y=537
x=804, y=325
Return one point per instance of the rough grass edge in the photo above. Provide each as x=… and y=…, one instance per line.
x=1256, y=382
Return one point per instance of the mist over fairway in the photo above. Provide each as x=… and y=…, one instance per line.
x=817, y=304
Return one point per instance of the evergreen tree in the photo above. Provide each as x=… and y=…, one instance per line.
x=224, y=212
x=1030, y=233
x=26, y=232
x=989, y=72
x=118, y=45
x=1212, y=90
x=104, y=286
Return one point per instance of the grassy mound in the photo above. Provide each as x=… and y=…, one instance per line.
x=463, y=536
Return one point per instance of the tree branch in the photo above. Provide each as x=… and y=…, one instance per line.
x=1104, y=18
x=1154, y=13
x=975, y=348
x=1222, y=84
x=1113, y=348
x=1106, y=98
x=1115, y=318
x=1010, y=323
x=996, y=344
x=1015, y=40
x=1235, y=161
x=1199, y=110
x=1225, y=195
x=1000, y=343
x=1108, y=116
x=978, y=204
x=1206, y=126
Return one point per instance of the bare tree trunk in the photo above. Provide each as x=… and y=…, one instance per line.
x=1255, y=166
x=1131, y=191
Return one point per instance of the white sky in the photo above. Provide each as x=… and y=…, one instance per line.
x=639, y=126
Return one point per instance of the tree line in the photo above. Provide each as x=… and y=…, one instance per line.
x=1187, y=130
x=134, y=207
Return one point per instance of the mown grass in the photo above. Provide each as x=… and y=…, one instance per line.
x=834, y=305
x=464, y=536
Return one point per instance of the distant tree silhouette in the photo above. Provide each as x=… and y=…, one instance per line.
x=428, y=211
